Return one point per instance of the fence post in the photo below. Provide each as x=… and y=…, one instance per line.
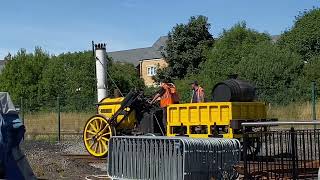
x=21, y=110
x=294, y=158
x=314, y=112
x=58, y=116
x=244, y=152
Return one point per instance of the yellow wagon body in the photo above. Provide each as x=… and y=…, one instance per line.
x=204, y=119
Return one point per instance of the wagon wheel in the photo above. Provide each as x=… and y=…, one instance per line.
x=96, y=135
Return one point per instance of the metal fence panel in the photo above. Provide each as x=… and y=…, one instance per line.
x=163, y=158
x=283, y=153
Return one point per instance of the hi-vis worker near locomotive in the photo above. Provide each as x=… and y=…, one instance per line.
x=233, y=102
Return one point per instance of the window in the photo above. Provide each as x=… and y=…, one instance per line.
x=151, y=71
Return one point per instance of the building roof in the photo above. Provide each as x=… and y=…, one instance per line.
x=2, y=63
x=275, y=38
x=135, y=55
x=160, y=44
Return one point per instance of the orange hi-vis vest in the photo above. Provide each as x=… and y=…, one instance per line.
x=170, y=96
x=199, y=93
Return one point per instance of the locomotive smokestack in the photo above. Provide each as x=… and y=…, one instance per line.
x=101, y=62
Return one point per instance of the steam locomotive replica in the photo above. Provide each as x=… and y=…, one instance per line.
x=233, y=102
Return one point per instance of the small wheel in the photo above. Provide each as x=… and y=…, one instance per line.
x=96, y=135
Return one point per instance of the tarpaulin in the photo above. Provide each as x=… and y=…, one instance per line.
x=6, y=103
x=12, y=161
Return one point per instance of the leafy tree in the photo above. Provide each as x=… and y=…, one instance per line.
x=184, y=87
x=274, y=72
x=304, y=36
x=70, y=76
x=185, y=45
x=310, y=73
x=39, y=79
x=22, y=74
x=125, y=76
x=311, y=69
x=229, y=50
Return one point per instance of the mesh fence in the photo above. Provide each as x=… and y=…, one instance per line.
x=56, y=119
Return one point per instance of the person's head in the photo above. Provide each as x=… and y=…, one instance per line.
x=194, y=84
x=166, y=80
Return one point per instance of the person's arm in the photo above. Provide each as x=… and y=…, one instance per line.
x=202, y=96
x=155, y=98
x=160, y=93
x=192, y=94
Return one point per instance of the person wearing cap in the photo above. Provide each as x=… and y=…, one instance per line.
x=167, y=95
x=197, y=93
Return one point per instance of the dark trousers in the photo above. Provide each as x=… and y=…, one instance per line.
x=164, y=120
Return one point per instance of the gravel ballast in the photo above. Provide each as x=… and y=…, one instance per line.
x=48, y=160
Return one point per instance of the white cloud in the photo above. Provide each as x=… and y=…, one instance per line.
x=129, y=3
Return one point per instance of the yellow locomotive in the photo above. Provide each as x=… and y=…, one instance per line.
x=233, y=102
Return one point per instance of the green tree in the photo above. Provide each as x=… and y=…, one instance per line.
x=125, y=76
x=274, y=71
x=70, y=76
x=304, y=36
x=185, y=45
x=22, y=74
x=230, y=49
x=310, y=73
x=311, y=69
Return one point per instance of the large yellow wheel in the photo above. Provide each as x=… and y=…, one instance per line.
x=96, y=135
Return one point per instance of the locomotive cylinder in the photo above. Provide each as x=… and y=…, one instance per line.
x=233, y=90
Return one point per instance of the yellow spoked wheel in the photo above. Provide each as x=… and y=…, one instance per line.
x=96, y=135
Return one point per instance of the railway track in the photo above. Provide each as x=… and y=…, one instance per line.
x=85, y=157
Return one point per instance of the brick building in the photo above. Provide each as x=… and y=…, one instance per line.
x=147, y=60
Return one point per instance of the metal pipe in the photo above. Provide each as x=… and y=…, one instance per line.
x=21, y=110
x=247, y=124
x=59, y=119
x=314, y=112
x=101, y=63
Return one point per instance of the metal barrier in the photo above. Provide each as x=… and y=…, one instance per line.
x=282, y=153
x=179, y=158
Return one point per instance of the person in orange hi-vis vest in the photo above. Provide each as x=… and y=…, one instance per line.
x=167, y=95
x=197, y=93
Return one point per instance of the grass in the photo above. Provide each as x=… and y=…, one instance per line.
x=42, y=137
x=293, y=111
x=37, y=123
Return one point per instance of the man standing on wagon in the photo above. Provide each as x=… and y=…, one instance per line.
x=197, y=93
x=167, y=95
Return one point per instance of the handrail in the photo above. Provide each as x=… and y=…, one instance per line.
x=277, y=123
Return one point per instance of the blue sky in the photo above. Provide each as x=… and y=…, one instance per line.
x=70, y=25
